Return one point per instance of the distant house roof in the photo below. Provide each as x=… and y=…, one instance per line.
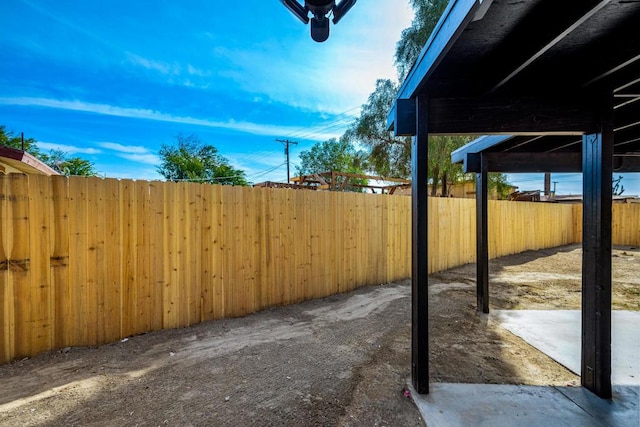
x=18, y=161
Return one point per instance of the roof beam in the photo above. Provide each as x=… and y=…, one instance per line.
x=473, y=116
x=541, y=162
x=524, y=162
x=581, y=19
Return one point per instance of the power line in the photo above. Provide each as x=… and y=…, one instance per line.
x=339, y=121
x=337, y=117
x=259, y=174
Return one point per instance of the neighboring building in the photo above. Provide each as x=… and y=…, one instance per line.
x=577, y=198
x=459, y=190
x=18, y=161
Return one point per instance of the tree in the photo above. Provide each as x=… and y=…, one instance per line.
x=9, y=139
x=497, y=183
x=56, y=159
x=69, y=166
x=427, y=14
x=391, y=156
x=338, y=155
x=618, y=188
x=191, y=160
x=331, y=155
x=388, y=155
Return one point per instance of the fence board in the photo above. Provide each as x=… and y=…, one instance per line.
x=156, y=245
x=7, y=326
x=95, y=261
x=626, y=224
x=60, y=276
x=20, y=262
x=77, y=296
x=218, y=253
x=41, y=300
x=171, y=259
x=129, y=258
x=142, y=248
x=114, y=273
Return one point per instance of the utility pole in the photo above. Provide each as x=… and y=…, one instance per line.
x=547, y=183
x=286, y=144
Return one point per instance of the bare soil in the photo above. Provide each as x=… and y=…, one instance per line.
x=342, y=360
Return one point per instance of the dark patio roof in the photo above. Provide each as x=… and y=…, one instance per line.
x=538, y=70
x=556, y=87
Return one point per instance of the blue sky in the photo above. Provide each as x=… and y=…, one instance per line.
x=112, y=81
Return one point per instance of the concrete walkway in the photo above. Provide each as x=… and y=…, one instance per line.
x=556, y=333
x=491, y=405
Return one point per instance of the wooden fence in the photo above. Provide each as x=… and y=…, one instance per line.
x=85, y=261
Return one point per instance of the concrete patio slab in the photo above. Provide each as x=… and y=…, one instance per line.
x=453, y=405
x=557, y=334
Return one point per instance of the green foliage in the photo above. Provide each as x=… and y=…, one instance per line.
x=391, y=156
x=427, y=14
x=333, y=155
x=440, y=169
x=77, y=166
x=618, y=188
x=191, y=160
x=56, y=159
x=388, y=155
x=497, y=184
x=9, y=139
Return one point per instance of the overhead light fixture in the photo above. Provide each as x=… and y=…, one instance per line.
x=320, y=10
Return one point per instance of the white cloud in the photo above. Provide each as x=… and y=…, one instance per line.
x=132, y=149
x=137, y=113
x=150, y=159
x=127, y=172
x=332, y=76
x=68, y=149
x=159, y=66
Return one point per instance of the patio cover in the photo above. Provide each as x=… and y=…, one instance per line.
x=555, y=87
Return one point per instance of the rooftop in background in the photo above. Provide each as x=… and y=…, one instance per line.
x=18, y=161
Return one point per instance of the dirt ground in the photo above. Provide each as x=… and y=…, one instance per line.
x=339, y=361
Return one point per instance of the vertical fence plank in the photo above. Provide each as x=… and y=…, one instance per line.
x=247, y=241
x=262, y=254
x=60, y=275
x=78, y=250
x=331, y=247
x=287, y=245
x=129, y=258
x=20, y=262
x=7, y=348
x=195, y=260
x=171, y=263
x=228, y=217
x=272, y=248
x=218, y=249
x=183, y=285
x=304, y=246
x=156, y=233
x=143, y=256
x=113, y=254
x=95, y=316
x=41, y=292
x=207, y=253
